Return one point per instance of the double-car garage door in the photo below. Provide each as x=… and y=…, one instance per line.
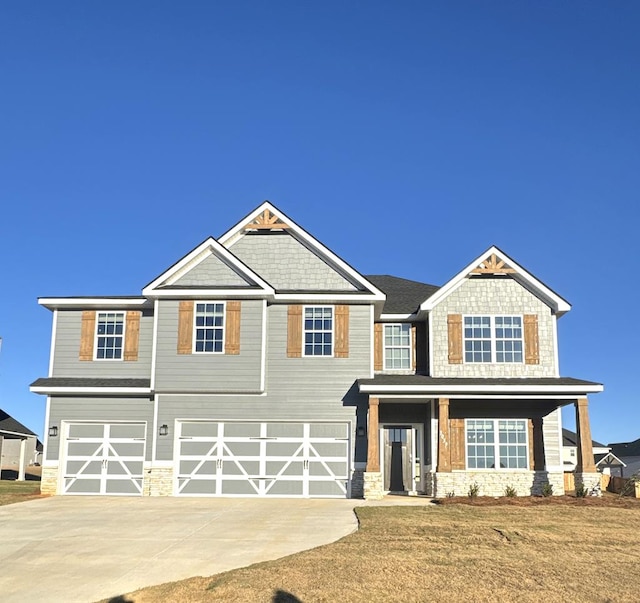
x=213, y=458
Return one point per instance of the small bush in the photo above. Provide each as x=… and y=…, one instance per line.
x=547, y=489
x=510, y=492
x=581, y=491
x=451, y=494
x=474, y=489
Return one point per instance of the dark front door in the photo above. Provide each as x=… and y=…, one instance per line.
x=397, y=459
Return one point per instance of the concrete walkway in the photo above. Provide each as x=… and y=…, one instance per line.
x=68, y=549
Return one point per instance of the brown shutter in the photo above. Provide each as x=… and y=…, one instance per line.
x=132, y=336
x=456, y=431
x=414, y=347
x=378, y=347
x=87, y=335
x=532, y=458
x=531, y=348
x=294, y=332
x=232, y=328
x=185, y=327
x=454, y=324
x=342, y=332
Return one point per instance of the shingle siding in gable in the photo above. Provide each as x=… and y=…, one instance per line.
x=285, y=263
x=211, y=272
x=492, y=296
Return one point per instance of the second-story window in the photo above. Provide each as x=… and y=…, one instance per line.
x=109, y=335
x=209, y=327
x=397, y=346
x=318, y=331
x=493, y=339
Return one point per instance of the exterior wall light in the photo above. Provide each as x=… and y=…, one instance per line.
x=360, y=432
x=53, y=431
x=164, y=430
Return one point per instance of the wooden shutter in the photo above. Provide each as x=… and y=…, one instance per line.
x=378, y=346
x=456, y=433
x=294, y=332
x=454, y=325
x=232, y=328
x=87, y=335
x=185, y=327
x=342, y=332
x=531, y=347
x=532, y=458
x=132, y=336
x=414, y=347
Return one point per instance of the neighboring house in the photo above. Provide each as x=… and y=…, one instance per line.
x=18, y=445
x=570, y=450
x=262, y=364
x=629, y=453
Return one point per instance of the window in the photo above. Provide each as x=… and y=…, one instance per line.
x=318, y=331
x=109, y=335
x=397, y=346
x=509, y=447
x=493, y=339
x=209, y=319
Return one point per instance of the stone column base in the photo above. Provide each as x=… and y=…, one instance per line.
x=590, y=482
x=158, y=481
x=373, y=489
x=49, y=480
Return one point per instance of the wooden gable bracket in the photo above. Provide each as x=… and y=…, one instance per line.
x=266, y=221
x=492, y=265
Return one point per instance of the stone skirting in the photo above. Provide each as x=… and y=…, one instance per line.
x=590, y=482
x=494, y=483
x=49, y=480
x=373, y=488
x=158, y=481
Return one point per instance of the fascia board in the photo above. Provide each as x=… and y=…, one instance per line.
x=311, y=297
x=440, y=389
x=229, y=237
x=91, y=390
x=216, y=248
x=53, y=303
x=392, y=317
x=559, y=304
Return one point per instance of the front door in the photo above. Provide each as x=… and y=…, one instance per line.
x=398, y=459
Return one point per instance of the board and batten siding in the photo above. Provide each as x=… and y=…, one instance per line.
x=495, y=297
x=100, y=410
x=66, y=356
x=552, y=440
x=209, y=372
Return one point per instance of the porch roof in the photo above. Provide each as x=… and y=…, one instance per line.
x=423, y=384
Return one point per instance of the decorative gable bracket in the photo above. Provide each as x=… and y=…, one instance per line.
x=266, y=221
x=492, y=265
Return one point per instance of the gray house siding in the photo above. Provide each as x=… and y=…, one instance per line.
x=211, y=272
x=100, y=409
x=67, y=349
x=209, y=372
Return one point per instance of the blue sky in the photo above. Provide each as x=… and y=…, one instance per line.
x=406, y=136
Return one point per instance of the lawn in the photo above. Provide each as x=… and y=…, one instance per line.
x=13, y=492
x=449, y=552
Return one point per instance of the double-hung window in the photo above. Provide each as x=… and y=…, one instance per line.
x=397, y=346
x=493, y=339
x=496, y=443
x=318, y=331
x=109, y=335
x=209, y=327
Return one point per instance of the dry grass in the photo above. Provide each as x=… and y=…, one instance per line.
x=543, y=551
x=14, y=492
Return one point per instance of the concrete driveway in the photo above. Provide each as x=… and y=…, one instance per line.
x=89, y=548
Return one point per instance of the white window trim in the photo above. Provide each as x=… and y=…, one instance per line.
x=333, y=331
x=384, y=347
x=496, y=445
x=195, y=328
x=493, y=339
x=96, y=335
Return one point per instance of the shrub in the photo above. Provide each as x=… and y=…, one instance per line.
x=547, y=489
x=451, y=494
x=510, y=492
x=474, y=489
x=581, y=491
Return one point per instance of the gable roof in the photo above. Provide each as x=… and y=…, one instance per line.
x=570, y=438
x=626, y=448
x=8, y=423
x=268, y=218
x=495, y=261
x=166, y=284
x=403, y=295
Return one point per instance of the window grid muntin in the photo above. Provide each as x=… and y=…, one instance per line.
x=511, y=447
x=317, y=328
x=493, y=339
x=208, y=327
x=109, y=340
x=397, y=346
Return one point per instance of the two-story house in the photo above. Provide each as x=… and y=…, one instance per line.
x=262, y=364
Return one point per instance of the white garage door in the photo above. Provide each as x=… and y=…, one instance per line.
x=104, y=458
x=262, y=459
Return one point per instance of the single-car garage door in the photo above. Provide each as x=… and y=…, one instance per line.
x=262, y=459
x=104, y=458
